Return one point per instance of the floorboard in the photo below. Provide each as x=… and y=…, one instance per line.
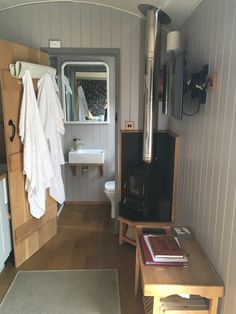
x=85, y=240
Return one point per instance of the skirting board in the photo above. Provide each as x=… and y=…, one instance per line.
x=90, y=203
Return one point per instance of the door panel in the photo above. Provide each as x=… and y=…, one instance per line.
x=29, y=234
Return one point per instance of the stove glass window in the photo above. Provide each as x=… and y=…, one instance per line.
x=136, y=186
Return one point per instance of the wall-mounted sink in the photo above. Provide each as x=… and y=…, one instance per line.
x=86, y=156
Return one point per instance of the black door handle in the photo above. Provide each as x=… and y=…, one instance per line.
x=11, y=123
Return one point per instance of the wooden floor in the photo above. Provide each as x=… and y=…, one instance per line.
x=85, y=241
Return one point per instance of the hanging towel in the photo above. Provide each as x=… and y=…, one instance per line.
x=68, y=89
x=37, y=165
x=52, y=120
x=68, y=99
x=81, y=107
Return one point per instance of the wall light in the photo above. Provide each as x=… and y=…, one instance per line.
x=173, y=42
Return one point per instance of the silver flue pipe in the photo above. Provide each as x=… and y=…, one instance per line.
x=154, y=20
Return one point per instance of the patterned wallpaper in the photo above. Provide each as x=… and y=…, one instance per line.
x=96, y=95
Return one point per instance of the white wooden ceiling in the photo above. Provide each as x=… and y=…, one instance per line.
x=178, y=10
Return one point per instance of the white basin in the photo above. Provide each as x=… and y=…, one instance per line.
x=86, y=156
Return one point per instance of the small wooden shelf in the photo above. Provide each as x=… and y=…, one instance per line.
x=75, y=165
x=176, y=304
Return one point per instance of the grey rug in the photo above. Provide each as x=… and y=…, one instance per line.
x=63, y=292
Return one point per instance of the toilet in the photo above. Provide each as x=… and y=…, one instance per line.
x=109, y=190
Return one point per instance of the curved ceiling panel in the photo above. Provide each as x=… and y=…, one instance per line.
x=178, y=10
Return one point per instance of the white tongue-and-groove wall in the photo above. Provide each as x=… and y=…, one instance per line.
x=89, y=26
x=207, y=183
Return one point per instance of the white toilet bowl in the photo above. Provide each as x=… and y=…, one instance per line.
x=109, y=190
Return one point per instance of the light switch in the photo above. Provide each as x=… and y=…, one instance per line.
x=54, y=43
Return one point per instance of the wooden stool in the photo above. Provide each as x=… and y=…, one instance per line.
x=127, y=228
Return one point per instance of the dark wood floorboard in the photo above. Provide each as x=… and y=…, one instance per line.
x=85, y=240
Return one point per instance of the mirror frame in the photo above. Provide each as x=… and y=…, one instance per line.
x=64, y=64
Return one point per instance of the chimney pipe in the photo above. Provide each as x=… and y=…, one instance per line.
x=154, y=20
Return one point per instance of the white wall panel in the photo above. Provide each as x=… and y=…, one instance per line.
x=125, y=67
x=207, y=183
x=85, y=25
x=106, y=34
x=115, y=25
x=34, y=19
x=55, y=22
x=96, y=40
x=64, y=24
x=75, y=25
x=44, y=26
x=135, y=71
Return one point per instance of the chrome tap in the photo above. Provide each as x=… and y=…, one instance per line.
x=77, y=143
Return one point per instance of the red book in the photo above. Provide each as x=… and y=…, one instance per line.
x=165, y=246
x=148, y=259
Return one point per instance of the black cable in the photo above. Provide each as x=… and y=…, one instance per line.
x=193, y=113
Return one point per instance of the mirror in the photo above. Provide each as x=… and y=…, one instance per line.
x=85, y=92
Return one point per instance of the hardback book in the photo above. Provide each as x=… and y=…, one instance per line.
x=150, y=260
x=165, y=246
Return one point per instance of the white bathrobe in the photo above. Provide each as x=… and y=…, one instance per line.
x=37, y=161
x=52, y=119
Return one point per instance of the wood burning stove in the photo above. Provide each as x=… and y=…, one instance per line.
x=141, y=190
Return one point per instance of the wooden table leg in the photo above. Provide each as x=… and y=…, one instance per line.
x=121, y=232
x=156, y=305
x=213, y=305
x=136, y=278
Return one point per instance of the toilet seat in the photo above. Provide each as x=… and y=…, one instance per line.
x=110, y=186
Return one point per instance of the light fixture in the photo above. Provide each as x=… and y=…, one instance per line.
x=173, y=42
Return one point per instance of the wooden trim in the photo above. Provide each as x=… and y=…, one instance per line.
x=27, y=229
x=90, y=203
x=125, y=223
x=85, y=164
x=175, y=177
x=144, y=223
x=130, y=131
x=172, y=134
x=101, y=170
x=73, y=170
x=74, y=165
x=3, y=175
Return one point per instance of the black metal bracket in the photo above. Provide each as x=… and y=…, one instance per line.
x=198, y=84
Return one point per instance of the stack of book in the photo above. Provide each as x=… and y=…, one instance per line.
x=162, y=250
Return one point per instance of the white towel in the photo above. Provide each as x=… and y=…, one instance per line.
x=52, y=119
x=68, y=89
x=81, y=107
x=37, y=165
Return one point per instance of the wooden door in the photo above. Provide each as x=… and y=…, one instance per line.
x=29, y=234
